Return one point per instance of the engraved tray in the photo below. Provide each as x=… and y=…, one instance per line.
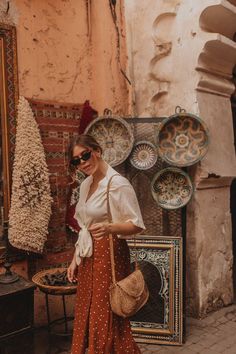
x=53, y=289
x=182, y=140
x=171, y=188
x=143, y=155
x=115, y=137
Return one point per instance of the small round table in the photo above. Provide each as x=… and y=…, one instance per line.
x=57, y=290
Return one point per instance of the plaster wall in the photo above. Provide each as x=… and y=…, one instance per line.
x=110, y=87
x=208, y=248
x=182, y=53
x=164, y=44
x=220, y=159
x=53, y=50
x=68, y=52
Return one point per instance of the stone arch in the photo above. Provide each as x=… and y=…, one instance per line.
x=233, y=187
x=218, y=55
x=214, y=86
x=219, y=18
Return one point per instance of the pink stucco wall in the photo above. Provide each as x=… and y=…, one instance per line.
x=68, y=52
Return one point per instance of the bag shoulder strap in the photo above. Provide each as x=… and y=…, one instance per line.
x=108, y=202
x=113, y=272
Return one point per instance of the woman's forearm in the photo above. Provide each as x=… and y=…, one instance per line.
x=74, y=259
x=126, y=228
x=100, y=230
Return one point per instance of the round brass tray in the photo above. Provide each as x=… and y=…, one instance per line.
x=115, y=137
x=171, y=188
x=182, y=140
x=50, y=289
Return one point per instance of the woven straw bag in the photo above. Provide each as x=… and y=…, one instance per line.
x=128, y=295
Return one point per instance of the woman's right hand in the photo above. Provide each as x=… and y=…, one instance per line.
x=72, y=271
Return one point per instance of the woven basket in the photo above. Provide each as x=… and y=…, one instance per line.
x=53, y=289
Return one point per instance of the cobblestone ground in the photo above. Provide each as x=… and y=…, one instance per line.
x=212, y=335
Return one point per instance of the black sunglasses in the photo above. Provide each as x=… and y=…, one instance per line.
x=85, y=156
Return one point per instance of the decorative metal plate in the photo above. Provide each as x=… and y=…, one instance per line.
x=160, y=320
x=183, y=139
x=115, y=137
x=53, y=289
x=171, y=188
x=143, y=155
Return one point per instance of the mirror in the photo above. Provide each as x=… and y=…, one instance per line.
x=8, y=103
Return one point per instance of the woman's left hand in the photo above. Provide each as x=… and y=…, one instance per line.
x=99, y=230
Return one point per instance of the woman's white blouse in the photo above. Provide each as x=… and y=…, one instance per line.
x=123, y=203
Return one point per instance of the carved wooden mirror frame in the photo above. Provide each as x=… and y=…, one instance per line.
x=8, y=102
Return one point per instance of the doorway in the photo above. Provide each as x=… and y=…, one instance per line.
x=233, y=188
x=233, y=217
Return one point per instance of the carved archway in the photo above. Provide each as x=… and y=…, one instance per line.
x=214, y=88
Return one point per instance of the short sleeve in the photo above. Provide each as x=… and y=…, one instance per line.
x=124, y=203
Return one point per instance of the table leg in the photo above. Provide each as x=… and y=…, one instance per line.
x=48, y=313
x=65, y=315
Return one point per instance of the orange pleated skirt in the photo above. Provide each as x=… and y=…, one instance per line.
x=95, y=326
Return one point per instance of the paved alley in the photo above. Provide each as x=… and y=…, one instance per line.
x=215, y=334
x=212, y=335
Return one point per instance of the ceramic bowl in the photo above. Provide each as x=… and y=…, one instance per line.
x=171, y=188
x=182, y=139
x=115, y=136
x=143, y=155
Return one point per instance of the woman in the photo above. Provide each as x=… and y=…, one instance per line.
x=95, y=325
